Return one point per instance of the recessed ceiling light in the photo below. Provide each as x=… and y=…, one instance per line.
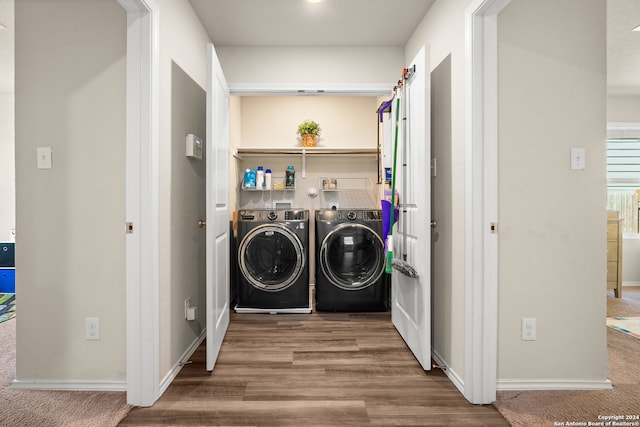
x=314, y=1
x=636, y=28
x=2, y=27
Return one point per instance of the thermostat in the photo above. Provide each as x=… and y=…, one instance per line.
x=194, y=146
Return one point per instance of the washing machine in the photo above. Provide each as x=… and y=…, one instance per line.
x=273, y=261
x=350, y=261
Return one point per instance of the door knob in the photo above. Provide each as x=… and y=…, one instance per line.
x=202, y=223
x=434, y=223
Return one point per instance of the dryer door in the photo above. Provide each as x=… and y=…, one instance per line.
x=271, y=257
x=352, y=256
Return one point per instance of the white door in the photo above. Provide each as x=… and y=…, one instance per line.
x=411, y=298
x=218, y=241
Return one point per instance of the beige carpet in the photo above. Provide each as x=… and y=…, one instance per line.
x=546, y=408
x=27, y=408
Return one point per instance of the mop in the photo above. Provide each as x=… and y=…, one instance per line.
x=398, y=264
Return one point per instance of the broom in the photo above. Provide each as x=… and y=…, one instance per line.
x=391, y=262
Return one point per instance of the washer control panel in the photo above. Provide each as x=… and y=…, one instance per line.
x=273, y=215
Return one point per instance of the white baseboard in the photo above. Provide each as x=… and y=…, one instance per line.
x=629, y=283
x=302, y=310
x=504, y=385
x=69, y=385
x=64, y=385
x=175, y=370
x=453, y=376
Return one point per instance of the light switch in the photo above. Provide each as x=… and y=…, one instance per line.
x=578, y=158
x=44, y=157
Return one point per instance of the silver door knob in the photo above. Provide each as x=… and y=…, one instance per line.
x=434, y=223
x=202, y=223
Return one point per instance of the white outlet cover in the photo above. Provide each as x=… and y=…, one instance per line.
x=528, y=329
x=92, y=328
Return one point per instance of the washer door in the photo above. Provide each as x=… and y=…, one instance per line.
x=352, y=256
x=271, y=257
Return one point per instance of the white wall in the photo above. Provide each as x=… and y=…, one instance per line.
x=630, y=266
x=346, y=122
x=235, y=140
x=7, y=167
x=183, y=42
x=70, y=96
x=311, y=65
x=623, y=108
x=188, y=205
x=441, y=209
x=552, y=247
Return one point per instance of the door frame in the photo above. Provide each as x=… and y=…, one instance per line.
x=481, y=200
x=142, y=211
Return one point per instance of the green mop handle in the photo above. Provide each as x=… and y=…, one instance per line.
x=389, y=264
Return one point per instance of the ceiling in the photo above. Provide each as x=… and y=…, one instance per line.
x=299, y=23
x=352, y=23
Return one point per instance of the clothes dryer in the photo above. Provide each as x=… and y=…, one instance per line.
x=350, y=261
x=273, y=261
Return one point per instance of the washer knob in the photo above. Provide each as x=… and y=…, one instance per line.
x=351, y=215
x=272, y=215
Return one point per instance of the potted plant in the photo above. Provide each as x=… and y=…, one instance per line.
x=308, y=131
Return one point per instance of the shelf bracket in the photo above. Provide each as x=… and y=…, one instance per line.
x=304, y=163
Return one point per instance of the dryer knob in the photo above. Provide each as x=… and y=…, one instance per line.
x=272, y=215
x=351, y=215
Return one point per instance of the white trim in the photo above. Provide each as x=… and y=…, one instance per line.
x=504, y=385
x=481, y=201
x=69, y=385
x=311, y=89
x=142, y=183
x=450, y=373
x=301, y=310
x=623, y=130
x=175, y=370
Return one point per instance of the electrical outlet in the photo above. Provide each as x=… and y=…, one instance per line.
x=92, y=328
x=528, y=329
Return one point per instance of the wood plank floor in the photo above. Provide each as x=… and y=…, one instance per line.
x=320, y=369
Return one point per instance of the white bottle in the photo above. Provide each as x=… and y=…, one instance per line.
x=260, y=178
x=267, y=179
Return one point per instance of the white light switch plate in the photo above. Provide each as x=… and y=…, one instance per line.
x=578, y=160
x=44, y=157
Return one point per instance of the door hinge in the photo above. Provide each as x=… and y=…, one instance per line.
x=129, y=227
x=494, y=228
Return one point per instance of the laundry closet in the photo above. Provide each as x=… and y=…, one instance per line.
x=344, y=173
